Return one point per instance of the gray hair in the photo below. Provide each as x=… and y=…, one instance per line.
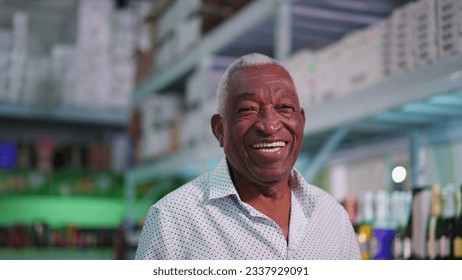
x=246, y=61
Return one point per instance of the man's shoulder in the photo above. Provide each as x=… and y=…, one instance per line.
x=192, y=193
x=315, y=198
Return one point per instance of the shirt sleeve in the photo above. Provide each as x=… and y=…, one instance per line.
x=350, y=248
x=152, y=245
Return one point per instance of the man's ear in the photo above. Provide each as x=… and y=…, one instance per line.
x=303, y=116
x=217, y=128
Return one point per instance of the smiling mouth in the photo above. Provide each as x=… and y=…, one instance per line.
x=269, y=147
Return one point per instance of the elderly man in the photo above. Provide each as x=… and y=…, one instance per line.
x=254, y=205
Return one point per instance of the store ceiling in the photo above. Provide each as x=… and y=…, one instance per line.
x=50, y=21
x=315, y=23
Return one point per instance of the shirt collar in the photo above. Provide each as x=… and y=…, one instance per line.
x=221, y=185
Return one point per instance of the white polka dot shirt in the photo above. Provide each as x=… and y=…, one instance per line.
x=205, y=219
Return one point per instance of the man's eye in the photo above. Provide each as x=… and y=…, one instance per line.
x=287, y=108
x=246, y=110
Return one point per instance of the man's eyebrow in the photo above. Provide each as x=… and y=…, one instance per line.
x=245, y=94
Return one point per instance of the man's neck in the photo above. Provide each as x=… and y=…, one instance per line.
x=273, y=201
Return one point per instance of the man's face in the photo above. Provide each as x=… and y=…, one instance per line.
x=261, y=129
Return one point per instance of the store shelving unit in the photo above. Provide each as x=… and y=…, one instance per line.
x=117, y=118
x=423, y=106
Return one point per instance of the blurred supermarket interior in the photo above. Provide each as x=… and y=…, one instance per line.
x=105, y=107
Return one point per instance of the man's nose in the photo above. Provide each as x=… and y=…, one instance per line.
x=269, y=121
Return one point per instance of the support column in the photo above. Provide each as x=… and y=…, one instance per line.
x=417, y=158
x=323, y=155
x=283, y=30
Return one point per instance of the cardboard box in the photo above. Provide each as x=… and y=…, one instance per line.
x=301, y=67
x=330, y=68
x=449, y=13
x=424, y=32
x=363, y=61
x=201, y=86
x=402, y=40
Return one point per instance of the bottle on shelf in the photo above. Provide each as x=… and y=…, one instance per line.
x=448, y=220
x=457, y=242
x=384, y=231
x=402, y=202
x=435, y=224
x=366, y=226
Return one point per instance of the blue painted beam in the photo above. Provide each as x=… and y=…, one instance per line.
x=326, y=151
x=417, y=163
x=432, y=109
x=447, y=99
x=408, y=119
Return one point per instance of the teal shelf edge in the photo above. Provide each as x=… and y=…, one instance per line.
x=115, y=117
x=56, y=211
x=56, y=254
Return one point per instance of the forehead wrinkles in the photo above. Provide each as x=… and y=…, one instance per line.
x=245, y=80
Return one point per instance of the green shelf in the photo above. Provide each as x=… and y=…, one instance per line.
x=56, y=254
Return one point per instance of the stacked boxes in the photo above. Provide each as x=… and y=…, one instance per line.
x=5, y=45
x=63, y=73
x=329, y=72
x=17, y=69
x=196, y=127
x=159, y=125
x=93, y=59
x=98, y=72
x=415, y=35
x=402, y=39
x=424, y=32
x=363, y=61
x=387, y=46
x=200, y=100
x=123, y=66
x=301, y=67
x=178, y=29
x=37, y=87
x=202, y=85
x=449, y=13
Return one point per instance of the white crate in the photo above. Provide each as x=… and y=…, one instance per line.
x=363, y=59
x=188, y=8
x=93, y=25
x=424, y=32
x=449, y=13
x=123, y=76
x=188, y=33
x=62, y=65
x=387, y=46
x=16, y=76
x=159, y=124
x=5, y=40
x=93, y=80
x=37, y=87
x=402, y=40
x=160, y=109
x=168, y=21
x=123, y=35
x=156, y=141
x=163, y=56
x=329, y=69
x=202, y=85
x=20, y=31
x=300, y=67
x=191, y=129
x=196, y=127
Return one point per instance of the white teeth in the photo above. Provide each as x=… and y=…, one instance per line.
x=270, y=150
x=274, y=145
